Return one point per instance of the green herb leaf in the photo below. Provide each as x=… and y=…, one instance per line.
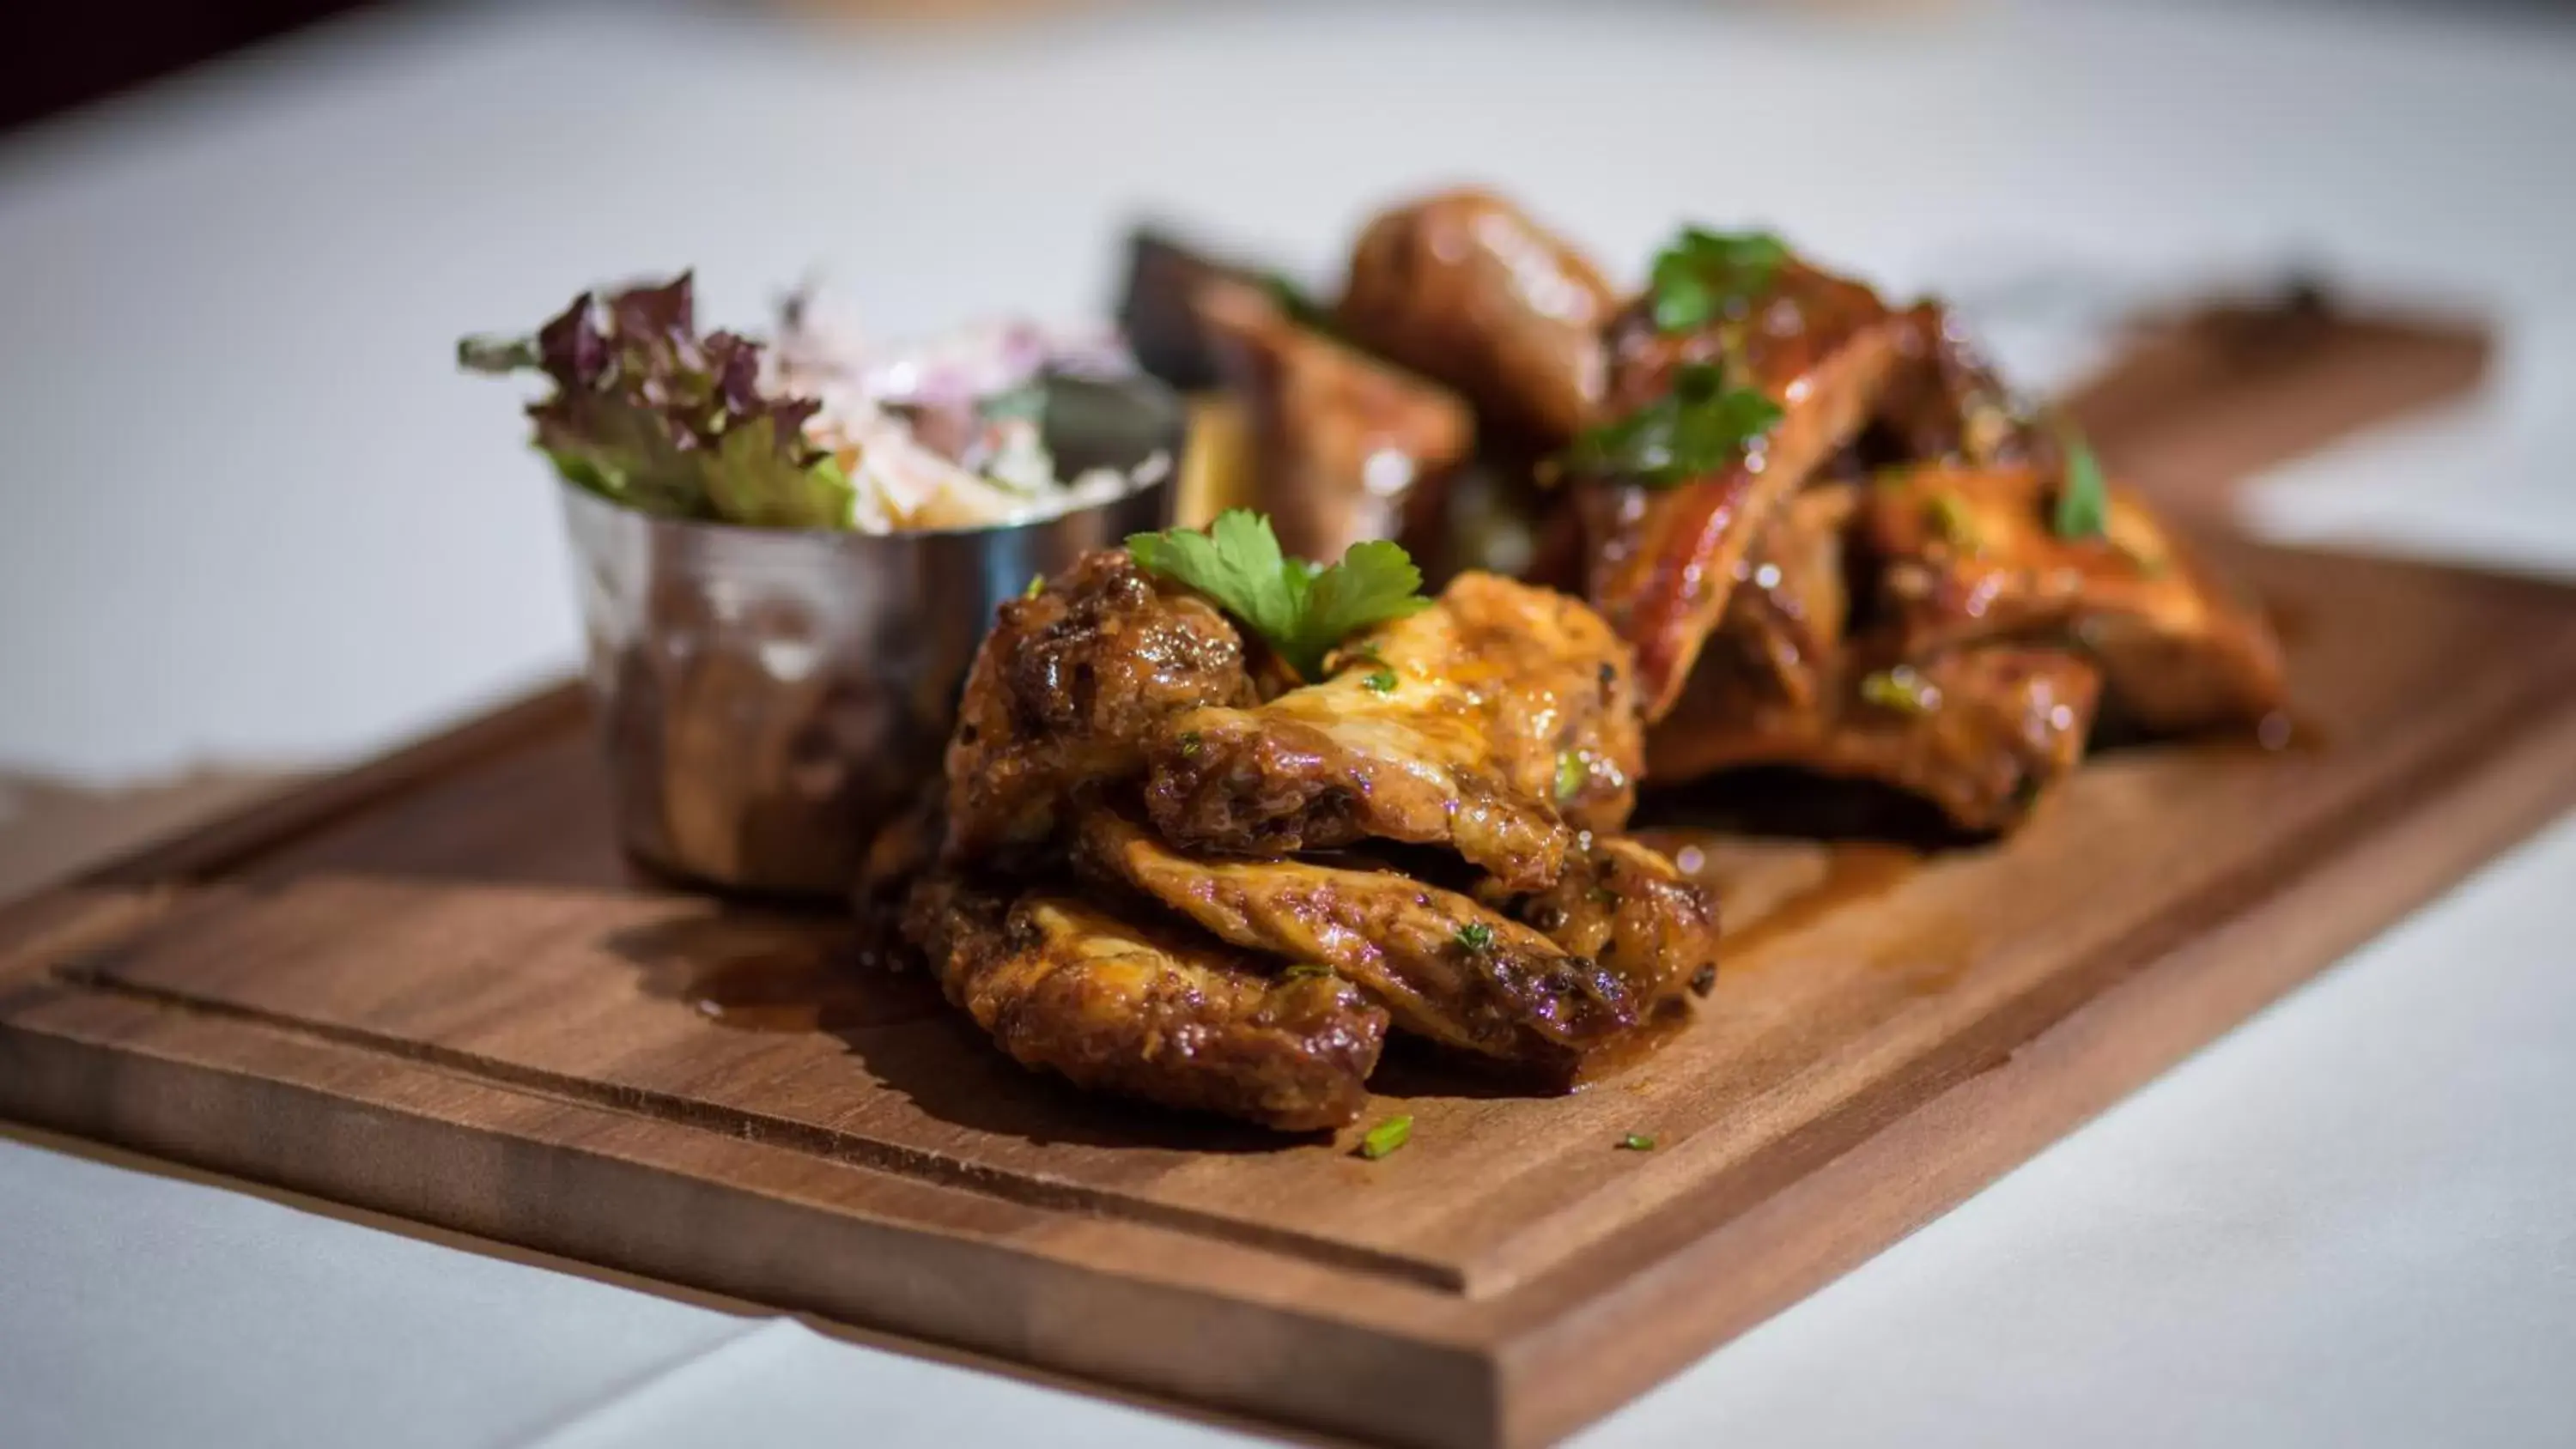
x=1475, y=936
x=1637, y=1142
x=1302, y=610
x=1375, y=582
x=1955, y=523
x=1294, y=303
x=1037, y=586
x=1700, y=427
x=1571, y=773
x=2083, y=500
x=1900, y=689
x=1191, y=744
x=1235, y=562
x=1385, y=1137
x=1705, y=274
x=1379, y=681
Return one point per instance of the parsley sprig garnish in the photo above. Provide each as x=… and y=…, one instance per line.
x=1699, y=427
x=1301, y=610
x=1706, y=274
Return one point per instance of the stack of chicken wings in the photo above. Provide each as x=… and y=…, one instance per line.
x=1172, y=870
x=1833, y=538
x=1773, y=521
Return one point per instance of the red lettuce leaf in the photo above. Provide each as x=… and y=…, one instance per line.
x=648, y=413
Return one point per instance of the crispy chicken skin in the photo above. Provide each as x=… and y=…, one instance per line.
x=1447, y=969
x=1466, y=289
x=1665, y=560
x=1969, y=554
x=1497, y=722
x=1148, y=1012
x=1984, y=736
x=1624, y=906
x=1345, y=447
x=1066, y=689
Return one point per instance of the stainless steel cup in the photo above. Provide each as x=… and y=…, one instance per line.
x=769, y=699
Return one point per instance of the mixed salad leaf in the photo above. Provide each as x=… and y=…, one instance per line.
x=649, y=413
x=1302, y=610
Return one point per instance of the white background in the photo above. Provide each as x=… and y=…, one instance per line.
x=251, y=514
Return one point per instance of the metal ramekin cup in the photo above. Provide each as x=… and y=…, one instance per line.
x=769, y=699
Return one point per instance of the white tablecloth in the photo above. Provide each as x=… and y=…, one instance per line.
x=250, y=513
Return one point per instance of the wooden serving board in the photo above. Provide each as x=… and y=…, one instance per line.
x=431, y=987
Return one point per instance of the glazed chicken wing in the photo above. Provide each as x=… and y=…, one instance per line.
x=1625, y=907
x=1944, y=404
x=1665, y=559
x=1345, y=447
x=1148, y=1012
x=1497, y=722
x=1066, y=690
x=1464, y=288
x=1446, y=968
x=1969, y=554
x=1980, y=733
x=1782, y=636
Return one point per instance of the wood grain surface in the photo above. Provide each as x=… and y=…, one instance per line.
x=431, y=987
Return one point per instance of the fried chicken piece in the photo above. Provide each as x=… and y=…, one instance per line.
x=1782, y=632
x=1945, y=404
x=1346, y=448
x=1665, y=560
x=1622, y=904
x=1782, y=684
x=1970, y=554
x=1983, y=733
x=1147, y=1012
x=1066, y=689
x=1446, y=968
x=1464, y=288
x=1496, y=723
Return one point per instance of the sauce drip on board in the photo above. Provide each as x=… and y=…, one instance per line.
x=776, y=976
x=1770, y=889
